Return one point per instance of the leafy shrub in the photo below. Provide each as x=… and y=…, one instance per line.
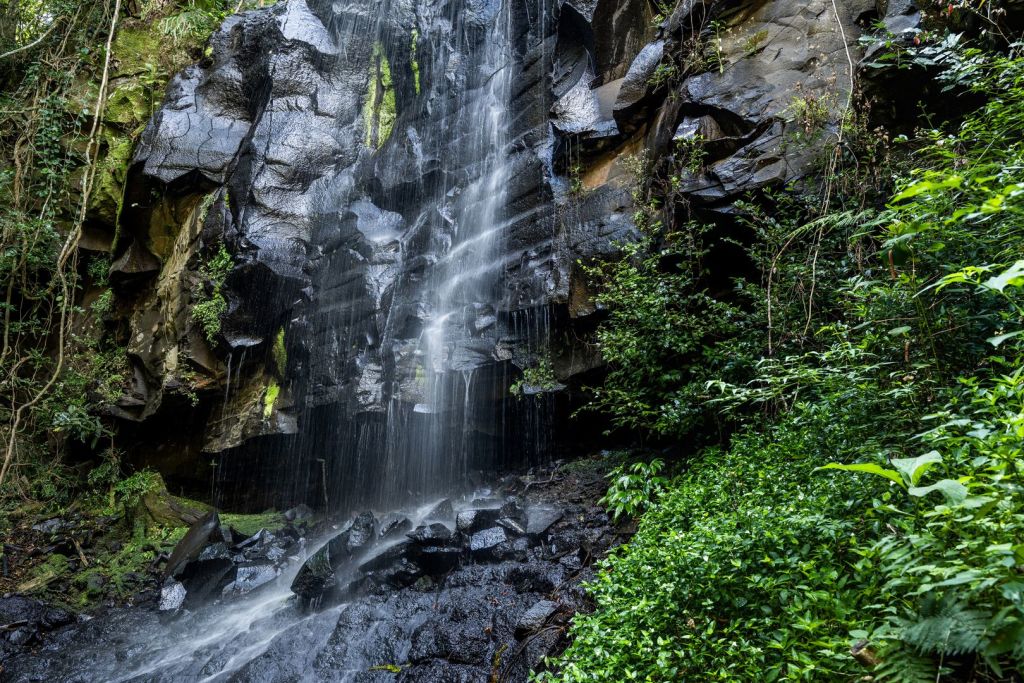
x=951, y=586
x=660, y=341
x=634, y=487
x=209, y=303
x=737, y=572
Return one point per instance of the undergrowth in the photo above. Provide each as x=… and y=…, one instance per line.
x=860, y=515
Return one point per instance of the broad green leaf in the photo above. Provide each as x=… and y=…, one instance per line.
x=867, y=467
x=1000, y=338
x=928, y=186
x=913, y=469
x=1011, y=277
x=954, y=491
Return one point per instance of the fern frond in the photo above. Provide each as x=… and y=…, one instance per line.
x=904, y=666
x=946, y=626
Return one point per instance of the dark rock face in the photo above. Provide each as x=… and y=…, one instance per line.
x=338, y=225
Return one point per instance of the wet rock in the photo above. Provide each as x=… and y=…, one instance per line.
x=540, y=578
x=395, y=566
x=513, y=526
x=192, y=544
x=250, y=577
x=512, y=517
x=172, y=596
x=432, y=535
x=299, y=513
x=389, y=556
x=629, y=112
x=540, y=520
x=55, y=617
x=436, y=560
x=317, y=579
x=471, y=521
x=51, y=526
x=399, y=574
x=205, y=578
x=361, y=533
x=214, y=551
x=395, y=527
x=483, y=544
x=534, y=618
x=462, y=642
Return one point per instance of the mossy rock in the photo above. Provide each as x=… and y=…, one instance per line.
x=129, y=105
x=137, y=51
x=248, y=525
x=108, y=190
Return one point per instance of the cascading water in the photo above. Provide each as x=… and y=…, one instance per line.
x=463, y=283
x=409, y=270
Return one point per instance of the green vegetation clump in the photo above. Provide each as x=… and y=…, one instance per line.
x=379, y=109
x=270, y=399
x=539, y=377
x=280, y=353
x=251, y=523
x=209, y=303
x=414, y=63
x=733, y=573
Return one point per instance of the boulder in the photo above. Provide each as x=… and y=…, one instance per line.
x=540, y=520
x=484, y=544
x=192, y=544
x=172, y=596
x=534, y=618
x=471, y=521
x=442, y=512
x=435, y=534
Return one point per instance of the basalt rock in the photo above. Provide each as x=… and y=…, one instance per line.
x=336, y=225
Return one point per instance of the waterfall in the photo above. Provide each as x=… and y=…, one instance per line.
x=425, y=408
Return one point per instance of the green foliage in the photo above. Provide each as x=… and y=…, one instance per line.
x=413, y=62
x=755, y=43
x=634, y=487
x=536, y=379
x=280, y=353
x=666, y=336
x=950, y=566
x=194, y=23
x=810, y=112
x=208, y=302
x=270, y=399
x=738, y=572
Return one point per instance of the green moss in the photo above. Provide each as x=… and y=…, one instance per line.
x=280, y=353
x=55, y=564
x=193, y=503
x=271, y=520
x=414, y=63
x=270, y=398
x=108, y=192
x=137, y=50
x=379, y=110
x=129, y=105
